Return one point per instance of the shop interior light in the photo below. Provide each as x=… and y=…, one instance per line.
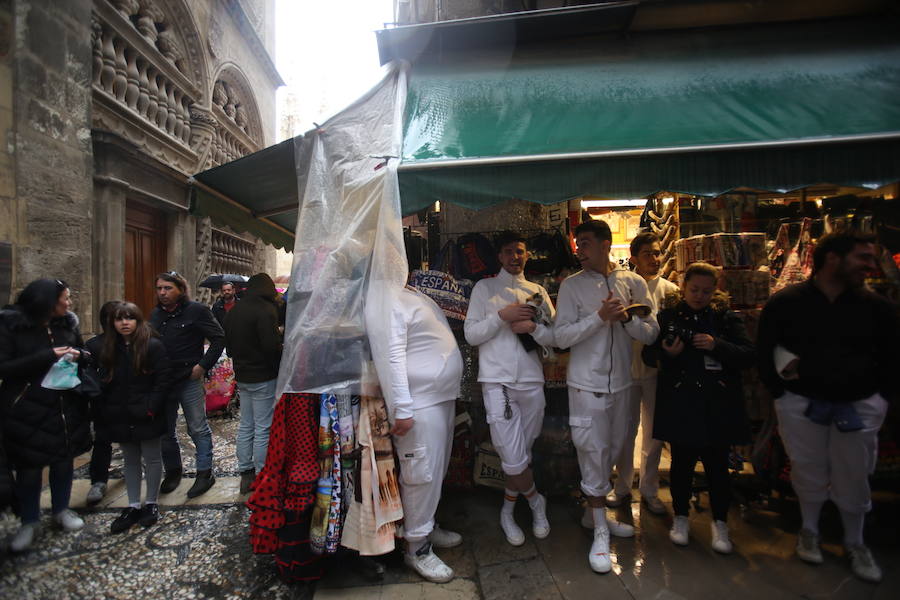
x=437, y=206
x=613, y=203
x=668, y=200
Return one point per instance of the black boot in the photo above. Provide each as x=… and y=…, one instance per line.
x=204, y=481
x=170, y=481
x=149, y=515
x=247, y=478
x=125, y=520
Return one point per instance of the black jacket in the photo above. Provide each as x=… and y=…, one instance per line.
x=848, y=349
x=183, y=331
x=694, y=404
x=132, y=406
x=251, y=333
x=219, y=312
x=40, y=426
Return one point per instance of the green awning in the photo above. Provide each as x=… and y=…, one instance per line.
x=774, y=107
x=256, y=194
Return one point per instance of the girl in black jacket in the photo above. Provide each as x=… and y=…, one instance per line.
x=136, y=376
x=699, y=403
x=41, y=427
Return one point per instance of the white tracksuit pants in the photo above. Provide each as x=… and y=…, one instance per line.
x=827, y=463
x=514, y=437
x=643, y=404
x=424, y=454
x=599, y=424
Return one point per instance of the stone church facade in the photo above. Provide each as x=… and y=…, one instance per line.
x=107, y=107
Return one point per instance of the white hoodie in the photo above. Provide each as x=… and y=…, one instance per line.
x=601, y=351
x=501, y=356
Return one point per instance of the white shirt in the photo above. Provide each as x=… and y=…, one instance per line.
x=425, y=363
x=658, y=288
x=501, y=356
x=601, y=351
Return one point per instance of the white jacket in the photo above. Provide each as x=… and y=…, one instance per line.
x=658, y=288
x=601, y=351
x=425, y=363
x=501, y=356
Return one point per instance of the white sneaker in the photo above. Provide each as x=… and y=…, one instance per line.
x=599, y=556
x=863, y=564
x=615, y=499
x=622, y=530
x=96, y=493
x=68, y=520
x=680, y=532
x=444, y=538
x=25, y=537
x=540, y=526
x=720, y=541
x=808, y=547
x=587, y=519
x=654, y=505
x=427, y=564
x=514, y=534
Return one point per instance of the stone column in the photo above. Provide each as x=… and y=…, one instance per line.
x=108, y=241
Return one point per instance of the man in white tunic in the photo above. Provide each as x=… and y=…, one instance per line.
x=592, y=320
x=502, y=325
x=645, y=253
x=424, y=378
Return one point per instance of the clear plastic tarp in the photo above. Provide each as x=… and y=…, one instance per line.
x=349, y=242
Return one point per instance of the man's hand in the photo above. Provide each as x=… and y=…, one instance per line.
x=675, y=348
x=516, y=312
x=402, y=426
x=703, y=341
x=524, y=326
x=197, y=372
x=612, y=310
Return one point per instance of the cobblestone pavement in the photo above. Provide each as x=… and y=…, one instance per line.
x=200, y=550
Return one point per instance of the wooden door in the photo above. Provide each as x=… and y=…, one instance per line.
x=145, y=254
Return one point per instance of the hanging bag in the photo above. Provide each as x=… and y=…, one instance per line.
x=450, y=294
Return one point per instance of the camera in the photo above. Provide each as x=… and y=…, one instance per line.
x=675, y=331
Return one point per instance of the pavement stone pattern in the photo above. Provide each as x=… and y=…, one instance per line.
x=200, y=550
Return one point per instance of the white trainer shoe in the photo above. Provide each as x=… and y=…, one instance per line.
x=808, y=547
x=720, y=541
x=540, y=526
x=618, y=529
x=427, y=564
x=67, y=520
x=863, y=564
x=599, y=556
x=614, y=499
x=444, y=538
x=680, y=532
x=654, y=505
x=96, y=493
x=25, y=537
x=514, y=534
x=587, y=519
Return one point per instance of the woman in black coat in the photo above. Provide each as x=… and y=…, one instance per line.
x=137, y=377
x=699, y=401
x=41, y=427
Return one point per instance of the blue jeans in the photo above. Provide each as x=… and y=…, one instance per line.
x=28, y=490
x=192, y=397
x=257, y=406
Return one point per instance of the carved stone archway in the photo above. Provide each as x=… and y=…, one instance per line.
x=239, y=128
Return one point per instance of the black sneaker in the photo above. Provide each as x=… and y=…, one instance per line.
x=149, y=515
x=204, y=481
x=170, y=481
x=247, y=479
x=128, y=517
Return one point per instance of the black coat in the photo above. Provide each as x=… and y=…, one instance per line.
x=132, y=407
x=219, y=312
x=182, y=332
x=251, y=333
x=696, y=405
x=40, y=426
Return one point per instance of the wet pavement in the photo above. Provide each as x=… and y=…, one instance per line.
x=200, y=550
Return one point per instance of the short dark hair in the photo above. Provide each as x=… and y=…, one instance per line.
x=508, y=237
x=39, y=298
x=841, y=243
x=598, y=227
x=643, y=239
x=179, y=281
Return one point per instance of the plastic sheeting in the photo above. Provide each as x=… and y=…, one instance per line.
x=349, y=241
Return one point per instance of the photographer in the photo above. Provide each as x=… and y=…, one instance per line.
x=701, y=350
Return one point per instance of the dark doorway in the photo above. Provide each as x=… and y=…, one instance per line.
x=145, y=254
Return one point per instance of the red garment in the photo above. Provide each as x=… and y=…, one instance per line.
x=229, y=305
x=284, y=491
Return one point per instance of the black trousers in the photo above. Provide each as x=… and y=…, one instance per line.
x=715, y=464
x=101, y=457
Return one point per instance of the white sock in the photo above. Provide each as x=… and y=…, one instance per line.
x=509, y=500
x=599, y=518
x=413, y=546
x=853, y=528
x=810, y=512
x=533, y=497
x=135, y=504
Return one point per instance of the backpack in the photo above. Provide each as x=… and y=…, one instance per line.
x=475, y=257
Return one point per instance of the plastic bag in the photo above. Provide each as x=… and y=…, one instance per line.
x=63, y=375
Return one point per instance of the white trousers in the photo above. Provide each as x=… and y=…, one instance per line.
x=827, y=463
x=643, y=404
x=424, y=454
x=599, y=425
x=514, y=437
